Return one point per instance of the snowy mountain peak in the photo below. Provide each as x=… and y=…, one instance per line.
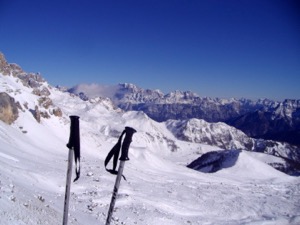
x=33, y=165
x=130, y=86
x=217, y=134
x=287, y=108
x=180, y=96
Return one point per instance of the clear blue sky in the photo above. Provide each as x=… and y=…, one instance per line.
x=225, y=48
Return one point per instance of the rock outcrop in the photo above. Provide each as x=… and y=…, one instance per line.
x=39, y=87
x=9, y=68
x=8, y=108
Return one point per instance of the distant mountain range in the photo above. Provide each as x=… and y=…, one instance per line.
x=179, y=113
x=263, y=118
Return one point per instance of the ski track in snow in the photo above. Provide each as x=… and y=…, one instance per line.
x=8, y=157
x=160, y=189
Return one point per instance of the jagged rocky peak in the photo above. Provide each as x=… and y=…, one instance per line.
x=9, y=68
x=34, y=83
x=130, y=92
x=287, y=107
x=4, y=67
x=131, y=87
x=2, y=59
x=181, y=94
x=32, y=80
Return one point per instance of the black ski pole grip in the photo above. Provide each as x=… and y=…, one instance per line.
x=129, y=131
x=74, y=139
x=74, y=143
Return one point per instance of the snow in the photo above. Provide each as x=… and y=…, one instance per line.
x=160, y=189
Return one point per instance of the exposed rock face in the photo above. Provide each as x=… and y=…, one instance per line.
x=7, y=69
x=45, y=102
x=36, y=114
x=8, y=108
x=45, y=107
x=4, y=67
x=33, y=80
x=216, y=160
x=43, y=91
x=281, y=122
x=57, y=112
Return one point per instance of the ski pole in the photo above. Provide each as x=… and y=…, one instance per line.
x=115, y=192
x=68, y=186
x=124, y=157
x=74, y=146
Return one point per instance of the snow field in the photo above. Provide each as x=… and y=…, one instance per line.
x=160, y=189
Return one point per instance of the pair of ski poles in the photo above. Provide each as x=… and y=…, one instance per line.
x=74, y=145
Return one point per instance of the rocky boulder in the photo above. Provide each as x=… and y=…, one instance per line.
x=57, y=112
x=36, y=113
x=214, y=161
x=8, y=108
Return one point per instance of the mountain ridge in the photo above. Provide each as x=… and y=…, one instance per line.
x=244, y=114
x=33, y=167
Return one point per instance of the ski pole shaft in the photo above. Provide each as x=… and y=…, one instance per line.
x=115, y=192
x=124, y=157
x=68, y=186
x=74, y=149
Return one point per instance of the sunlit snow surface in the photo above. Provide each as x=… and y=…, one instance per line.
x=160, y=189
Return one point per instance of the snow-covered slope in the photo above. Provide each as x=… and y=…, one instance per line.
x=227, y=137
x=160, y=189
x=218, y=134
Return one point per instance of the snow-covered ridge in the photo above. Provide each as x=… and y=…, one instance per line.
x=218, y=134
x=227, y=137
x=261, y=118
x=130, y=93
x=33, y=167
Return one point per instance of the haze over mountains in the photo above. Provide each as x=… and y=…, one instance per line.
x=231, y=178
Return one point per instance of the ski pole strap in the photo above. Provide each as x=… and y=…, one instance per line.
x=74, y=143
x=115, y=151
